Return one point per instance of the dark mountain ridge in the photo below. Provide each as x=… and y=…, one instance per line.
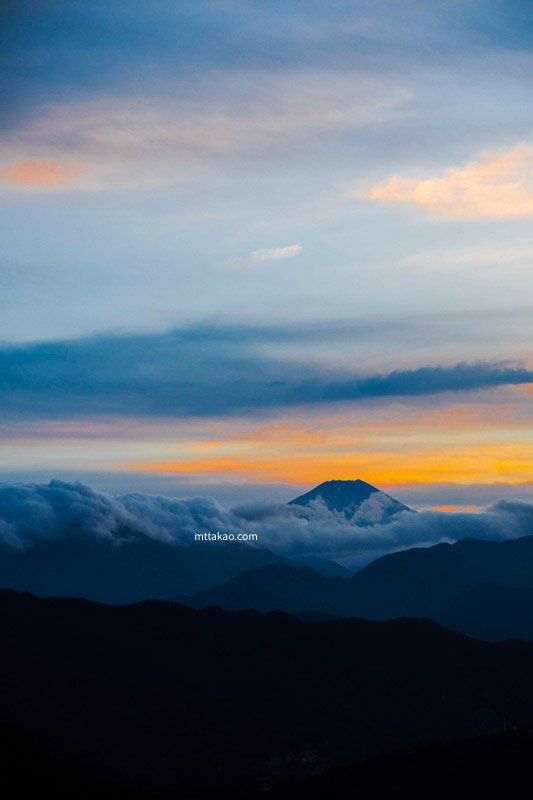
x=160, y=696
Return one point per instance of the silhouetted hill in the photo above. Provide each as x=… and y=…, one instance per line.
x=477, y=587
x=157, y=695
x=328, y=568
x=275, y=587
x=27, y=770
x=490, y=611
x=472, y=769
x=132, y=567
x=125, y=571
x=461, y=768
x=421, y=580
x=353, y=497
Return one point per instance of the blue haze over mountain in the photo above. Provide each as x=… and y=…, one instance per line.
x=483, y=589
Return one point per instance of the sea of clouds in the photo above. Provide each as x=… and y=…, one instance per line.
x=32, y=513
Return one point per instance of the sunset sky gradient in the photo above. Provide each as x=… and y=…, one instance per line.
x=248, y=246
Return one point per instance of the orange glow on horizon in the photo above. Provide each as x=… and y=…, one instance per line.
x=455, y=509
x=464, y=444
x=480, y=464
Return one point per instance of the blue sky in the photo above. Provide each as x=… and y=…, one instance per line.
x=353, y=179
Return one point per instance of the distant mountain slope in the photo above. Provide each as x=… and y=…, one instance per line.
x=490, y=611
x=136, y=568
x=356, y=499
x=276, y=587
x=478, y=587
x=328, y=568
x=157, y=695
x=419, y=581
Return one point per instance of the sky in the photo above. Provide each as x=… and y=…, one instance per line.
x=248, y=246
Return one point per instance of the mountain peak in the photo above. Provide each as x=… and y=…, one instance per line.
x=355, y=498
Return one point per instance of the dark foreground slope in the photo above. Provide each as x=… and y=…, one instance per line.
x=481, y=767
x=158, y=695
x=497, y=765
x=28, y=771
x=481, y=588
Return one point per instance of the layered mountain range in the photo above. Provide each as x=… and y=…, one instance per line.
x=368, y=686
x=158, y=696
x=131, y=565
x=481, y=588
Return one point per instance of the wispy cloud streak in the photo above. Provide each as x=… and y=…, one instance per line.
x=277, y=253
x=127, y=137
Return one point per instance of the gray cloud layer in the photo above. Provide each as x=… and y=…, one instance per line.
x=202, y=371
x=30, y=513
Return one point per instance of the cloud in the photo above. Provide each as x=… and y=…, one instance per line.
x=36, y=174
x=319, y=532
x=34, y=512
x=228, y=113
x=494, y=186
x=277, y=253
x=31, y=513
x=206, y=371
x=461, y=495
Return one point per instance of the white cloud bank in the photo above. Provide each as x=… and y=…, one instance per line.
x=30, y=513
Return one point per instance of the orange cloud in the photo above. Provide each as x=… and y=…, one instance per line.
x=478, y=464
x=478, y=443
x=468, y=425
x=463, y=444
x=494, y=186
x=34, y=173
